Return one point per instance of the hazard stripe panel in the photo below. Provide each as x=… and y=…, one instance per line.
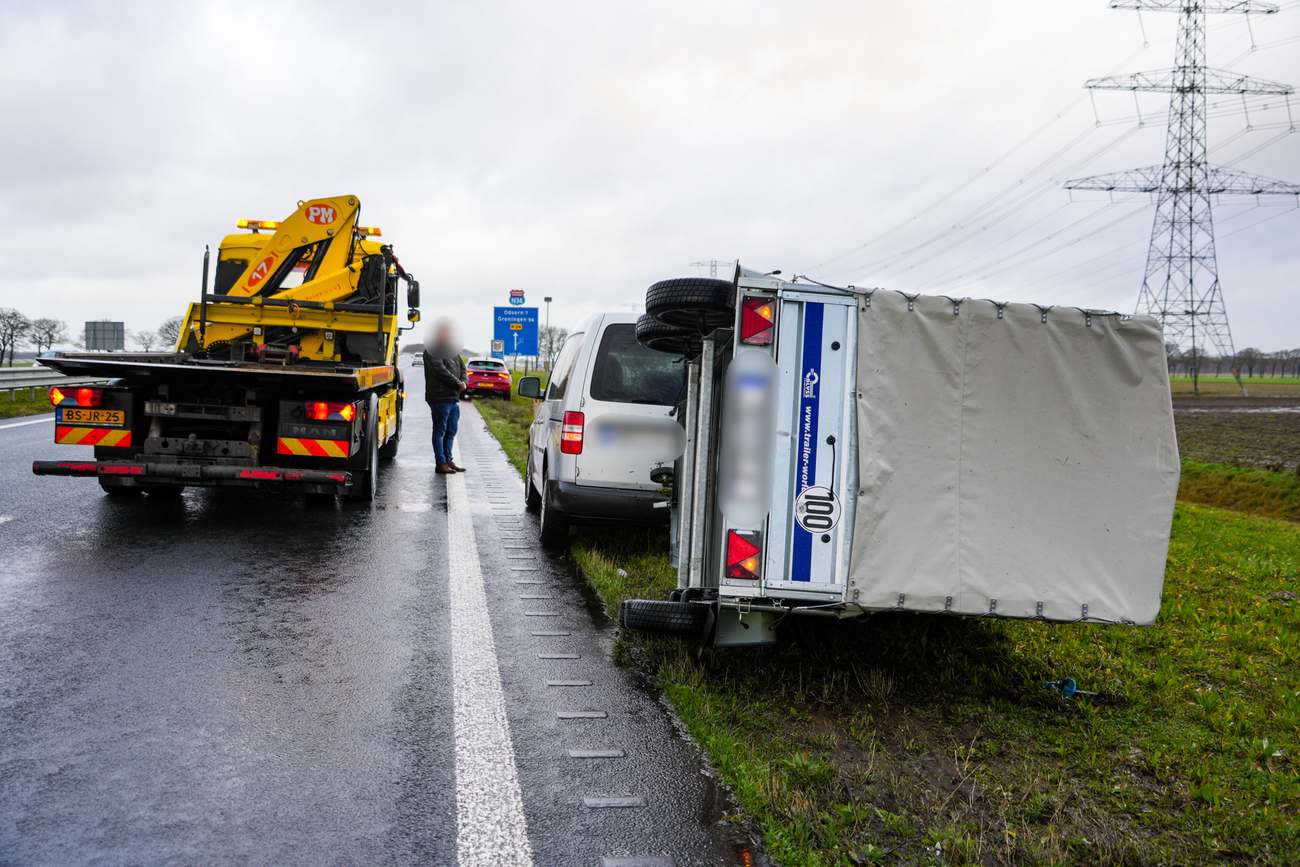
x=91, y=436
x=312, y=448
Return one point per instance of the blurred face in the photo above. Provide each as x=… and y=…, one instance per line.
x=443, y=339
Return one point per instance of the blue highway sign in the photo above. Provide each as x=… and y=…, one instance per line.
x=516, y=328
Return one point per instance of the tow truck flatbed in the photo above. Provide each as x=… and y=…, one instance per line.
x=153, y=365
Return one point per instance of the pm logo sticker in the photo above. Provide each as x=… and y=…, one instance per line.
x=260, y=271
x=321, y=215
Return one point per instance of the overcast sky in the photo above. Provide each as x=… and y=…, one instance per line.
x=585, y=150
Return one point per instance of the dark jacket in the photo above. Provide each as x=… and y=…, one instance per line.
x=443, y=376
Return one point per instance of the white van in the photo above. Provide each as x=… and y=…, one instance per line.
x=603, y=425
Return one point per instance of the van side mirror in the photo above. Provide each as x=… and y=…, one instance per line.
x=413, y=295
x=530, y=386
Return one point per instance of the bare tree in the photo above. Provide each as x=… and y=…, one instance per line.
x=1249, y=358
x=146, y=340
x=170, y=331
x=46, y=332
x=550, y=339
x=14, y=328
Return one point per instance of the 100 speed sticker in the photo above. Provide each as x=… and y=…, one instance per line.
x=817, y=509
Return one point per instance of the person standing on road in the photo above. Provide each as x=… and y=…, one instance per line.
x=444, y=382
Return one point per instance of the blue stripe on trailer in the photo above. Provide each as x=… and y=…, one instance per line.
x=809, y=410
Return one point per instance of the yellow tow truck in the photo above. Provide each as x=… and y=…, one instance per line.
x=284, y=373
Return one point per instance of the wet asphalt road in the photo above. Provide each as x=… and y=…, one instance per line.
x=236, y=676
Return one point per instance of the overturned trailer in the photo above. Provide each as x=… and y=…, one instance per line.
x=852, y=451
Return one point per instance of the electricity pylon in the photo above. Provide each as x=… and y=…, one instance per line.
x=1181, y=282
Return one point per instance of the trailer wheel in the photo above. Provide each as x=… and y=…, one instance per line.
x=653, y=334
x=553, y=524
x=698, y=304
x=657, y=615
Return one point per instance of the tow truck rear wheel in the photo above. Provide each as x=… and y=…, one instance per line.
x=366, y=484
x=698, y=304
x=163, y=491
x=388, y=450
x=118, y=492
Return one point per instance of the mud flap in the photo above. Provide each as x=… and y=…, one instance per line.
x=728, y=627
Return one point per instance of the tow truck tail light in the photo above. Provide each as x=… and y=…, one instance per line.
x=571, y=433
x=744, y=554
x=62, y=395
x=757, y=320
x=320, y=410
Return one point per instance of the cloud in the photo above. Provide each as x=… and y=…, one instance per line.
x=584, y=150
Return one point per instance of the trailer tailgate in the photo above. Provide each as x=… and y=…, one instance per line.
x=1013, y=460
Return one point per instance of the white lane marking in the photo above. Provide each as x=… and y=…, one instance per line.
x=490, y=826
x=5, y=519
x=26, y=423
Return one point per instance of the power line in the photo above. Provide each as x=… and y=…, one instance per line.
x=982, y=173
x=1181, y=283
x=991, y=205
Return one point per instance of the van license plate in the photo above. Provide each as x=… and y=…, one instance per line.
x=109, y=417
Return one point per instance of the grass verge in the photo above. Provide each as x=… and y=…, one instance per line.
x=1243, y=489
x=932, y=740
x=23, y=405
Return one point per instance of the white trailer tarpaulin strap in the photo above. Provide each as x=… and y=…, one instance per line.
x=1013, y=460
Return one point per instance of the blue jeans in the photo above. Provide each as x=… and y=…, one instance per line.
x=446, y=420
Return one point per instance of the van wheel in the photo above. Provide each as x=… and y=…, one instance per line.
x=653, y=334
x=656, y=615
x=698, y=304
x=532, y=500
x=554, y=524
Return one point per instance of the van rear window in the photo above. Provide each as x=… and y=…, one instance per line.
x=627, y=372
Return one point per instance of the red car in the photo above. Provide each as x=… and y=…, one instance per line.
x=488, y=376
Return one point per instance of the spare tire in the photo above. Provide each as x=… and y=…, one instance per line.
x=699, y=304
x=653, y=615
x=653, y=334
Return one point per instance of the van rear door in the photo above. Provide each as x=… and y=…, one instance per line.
x=809, y=527
x=630, y=392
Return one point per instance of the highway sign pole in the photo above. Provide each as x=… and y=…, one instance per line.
x=550, y=336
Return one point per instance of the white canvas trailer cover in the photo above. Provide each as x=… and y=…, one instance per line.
x=1013, y=460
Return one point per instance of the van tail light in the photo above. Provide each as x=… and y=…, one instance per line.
x=757, y=320
x=571, y=433
x=320, y=410
x=62, y=395
x=744, y=554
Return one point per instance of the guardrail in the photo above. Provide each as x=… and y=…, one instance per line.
x=16, y=379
